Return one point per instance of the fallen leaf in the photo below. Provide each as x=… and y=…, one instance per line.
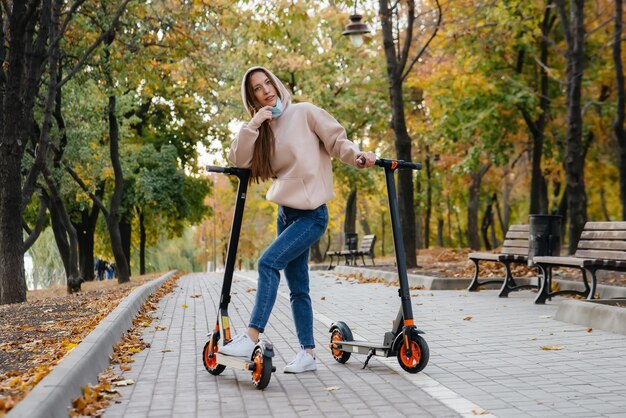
x=125, y=382
x=551, y=347
x=331, y=388
x=323, y=298
x=467, y=318
x=480, y=411
x=250, y=289
x=589, y=329
x=125, y=367
x=196, y=296
x=166, y=350
x=160, y=328
x=185, y=306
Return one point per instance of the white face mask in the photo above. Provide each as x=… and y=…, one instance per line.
x=277, y=110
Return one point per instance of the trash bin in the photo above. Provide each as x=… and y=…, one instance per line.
x=544, y=236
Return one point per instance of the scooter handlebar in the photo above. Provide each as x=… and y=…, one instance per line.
x=396, y=164
x=239, y=172
x=216, y=169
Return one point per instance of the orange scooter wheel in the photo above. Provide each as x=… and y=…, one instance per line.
x=339, y=355
x=415, y=359
x=262, y=372
x=209, y=359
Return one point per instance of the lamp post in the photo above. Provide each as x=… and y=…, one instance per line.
x=356, y=29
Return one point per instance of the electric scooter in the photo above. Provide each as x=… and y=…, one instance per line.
x=260, y=363
x=404, y=339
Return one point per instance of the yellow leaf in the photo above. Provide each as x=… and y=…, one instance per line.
x=551, y=347
x=185, y=306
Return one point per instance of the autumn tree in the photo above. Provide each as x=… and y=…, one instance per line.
x=572, y=25
x=399, y=30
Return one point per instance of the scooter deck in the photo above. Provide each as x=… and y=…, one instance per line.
x=234, y=361
x=364, y=344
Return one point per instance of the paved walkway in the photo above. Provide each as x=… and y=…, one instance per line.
x=485, y=357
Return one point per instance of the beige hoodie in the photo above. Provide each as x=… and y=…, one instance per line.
x=306, y=138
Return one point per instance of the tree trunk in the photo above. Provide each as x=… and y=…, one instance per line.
x=440, y=232
x=12, y=140
x=538, y=187
x=419, y=230
x=473, y=206
x=142, y=244
x=574, y=161
x=349, y=222
x=487, y=223
x=12, y=278
x=86, y=230
x=126, y=234
x=618, y=123
x=429, y=203
x=363, y=214
x=395, y=70
x=315, y=254
x=65, y=236
x=113, y=220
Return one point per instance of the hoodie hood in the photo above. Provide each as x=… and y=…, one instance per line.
x=285, y=97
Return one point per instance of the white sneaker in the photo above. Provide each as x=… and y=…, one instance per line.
x=240, y=346
x=304, y=362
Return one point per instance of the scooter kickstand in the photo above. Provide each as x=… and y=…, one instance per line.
x=369, y=356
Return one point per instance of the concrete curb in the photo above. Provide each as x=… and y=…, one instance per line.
x=597, y=314
x=53, y=395
x=428, y=282
x=446, y=283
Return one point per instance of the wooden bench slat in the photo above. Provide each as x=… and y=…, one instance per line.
x=563, y=261
x=518, y=243
x=601, y=245
x=603, y=235
x=515, y=250
x=603, y=255
x=520, y=228
x=484, y=256
x=610, y=226
x=515, y=234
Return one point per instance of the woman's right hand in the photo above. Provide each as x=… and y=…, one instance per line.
x=263, y=114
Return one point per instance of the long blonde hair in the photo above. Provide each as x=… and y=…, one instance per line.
x=261, y=167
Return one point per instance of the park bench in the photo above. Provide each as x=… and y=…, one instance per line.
x=350, y=243
x=602, y=246
x=514, y=251
x=365, y=250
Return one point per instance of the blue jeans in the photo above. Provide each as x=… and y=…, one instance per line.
x=297, y=230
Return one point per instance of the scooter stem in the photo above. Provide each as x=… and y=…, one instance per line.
x=405, y=296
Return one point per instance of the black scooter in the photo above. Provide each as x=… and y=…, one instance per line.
x=260, y=363
x=404, y=340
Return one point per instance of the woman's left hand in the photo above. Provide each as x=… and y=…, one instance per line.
x=365, y=159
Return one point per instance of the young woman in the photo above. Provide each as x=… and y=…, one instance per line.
x=291, y=143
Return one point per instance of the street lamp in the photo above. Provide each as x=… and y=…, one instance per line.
x=356, y=29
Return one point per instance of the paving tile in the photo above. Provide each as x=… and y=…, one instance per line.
x=493, y=362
